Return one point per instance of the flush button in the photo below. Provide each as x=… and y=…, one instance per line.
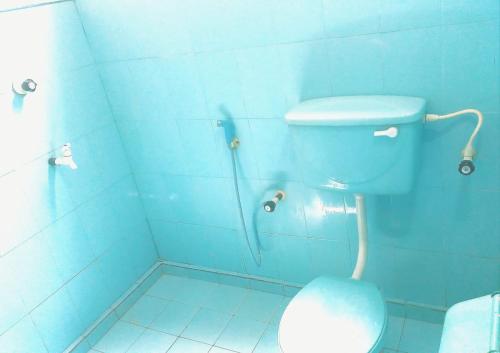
x=391, y=132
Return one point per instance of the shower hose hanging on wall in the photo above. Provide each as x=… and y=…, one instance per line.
x=233, y=143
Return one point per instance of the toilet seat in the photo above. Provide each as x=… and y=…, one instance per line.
x=334, y=315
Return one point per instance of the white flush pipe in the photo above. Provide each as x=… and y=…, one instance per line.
x=362, y=237
x=468, y=152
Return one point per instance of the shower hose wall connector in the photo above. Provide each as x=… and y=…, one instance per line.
x=466, y=166
x=270, y=206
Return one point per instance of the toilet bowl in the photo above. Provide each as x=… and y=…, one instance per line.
x=334, y=315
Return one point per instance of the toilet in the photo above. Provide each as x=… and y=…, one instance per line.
x=361, y=145
x=331, y=315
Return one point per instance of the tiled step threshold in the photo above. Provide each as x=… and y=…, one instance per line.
x=94, y=333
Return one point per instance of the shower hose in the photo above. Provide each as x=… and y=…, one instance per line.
x=255, y=253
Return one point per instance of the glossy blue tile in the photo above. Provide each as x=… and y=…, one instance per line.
x=193, y=291
x=470, y=277
x=297, y=20
x=273, y=150
x=399, y=15
x=230, y=24
x=102, y=329
x=225, y=298
x=411, y=340
x=270, y=252
x=201, y=148
x=389, y=267
x=406, y=71
x=306, y=68
x=219, y=350
x=259, y=306
x=19, y=222
x=351, y=72
x=261, y=77
x=12, y=309
x=175, y=318
x=394, y=331
x=58, y=321
x=241, y=335
x=152, y=342
x=295, y=264
x=69, y=245
x=329, y=258
x=105, y=143
x=201, y=200
x=325, y=214
x=275, y=321
x=206, y=326
x=89, y=294
x=219, y=73
x=100, y=222
x=463, y=233
x=154, y=146
x=37, y=274
x=56, y=38
x=169, y=87
x=351, y=18
x=111, y=262
x=145, y=310
x=119, y=338
x=226, y=247
x=136, y=31
x=470, y=74
x=269, y=341
x=406, y=220
x=22, y=338
x=166, y=285
x=469, y=10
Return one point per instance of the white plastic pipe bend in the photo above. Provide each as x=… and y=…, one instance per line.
x=468, y=152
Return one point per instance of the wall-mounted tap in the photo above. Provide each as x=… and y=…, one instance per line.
x=270, y=206
x=66, y=159
x=24, y=87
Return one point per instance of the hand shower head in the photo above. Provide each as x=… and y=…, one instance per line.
x=229, y=130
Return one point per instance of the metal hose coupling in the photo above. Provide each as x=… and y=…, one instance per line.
x=235, y=143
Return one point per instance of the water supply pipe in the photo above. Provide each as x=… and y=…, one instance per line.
x=362, y=237
x=466, y=166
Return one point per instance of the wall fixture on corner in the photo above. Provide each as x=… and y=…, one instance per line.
x=66, y=159
x=23, y=87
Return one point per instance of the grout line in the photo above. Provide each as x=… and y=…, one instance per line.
x=37, y=3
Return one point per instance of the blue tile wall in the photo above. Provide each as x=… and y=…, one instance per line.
x=171, y=69
x=71, y=242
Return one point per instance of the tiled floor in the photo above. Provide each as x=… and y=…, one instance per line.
x=183, y=315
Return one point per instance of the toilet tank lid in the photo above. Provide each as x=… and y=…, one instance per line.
x=357, y=110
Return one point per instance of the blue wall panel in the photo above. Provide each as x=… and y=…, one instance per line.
x=171, y=69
